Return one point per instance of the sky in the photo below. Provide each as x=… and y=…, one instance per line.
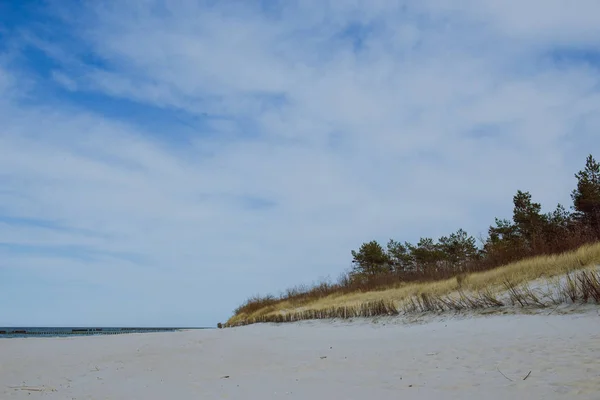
x=162, y=161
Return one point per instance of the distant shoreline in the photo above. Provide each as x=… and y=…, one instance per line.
x=25, y=332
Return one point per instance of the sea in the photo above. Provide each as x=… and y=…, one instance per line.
x=24, y=332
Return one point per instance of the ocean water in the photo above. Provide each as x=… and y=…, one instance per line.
x=22, y=332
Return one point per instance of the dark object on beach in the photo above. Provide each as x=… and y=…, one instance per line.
x=220, y=325
x=225, y=377
x=322, y=357
x=498, y=368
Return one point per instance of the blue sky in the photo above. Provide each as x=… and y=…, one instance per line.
x=161, y=161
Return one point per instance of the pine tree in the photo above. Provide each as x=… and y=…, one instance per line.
x=528, y=220
x=371, y=259
x=586, y=197
x=399, y=255
x=560, y=225
x=426, y=254
x=503, y=242
x=458, y=249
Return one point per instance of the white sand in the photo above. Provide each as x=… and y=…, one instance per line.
x=452, y=359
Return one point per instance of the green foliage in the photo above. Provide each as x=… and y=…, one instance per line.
x=559, y=225
x=427, y=254
x=559, y=218
x=586, y=197
x=451, y=252
x=510, y=240
x=458, y=249
x=527, y=216
x=529, y=232
x=503, y=232
x=528, y=220
x=371, y=259
x=401, y=259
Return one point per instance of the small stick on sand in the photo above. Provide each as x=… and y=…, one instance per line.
x=527, y=376
x=28, y=388
x=498, y=368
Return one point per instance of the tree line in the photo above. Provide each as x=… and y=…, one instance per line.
x=529, y=233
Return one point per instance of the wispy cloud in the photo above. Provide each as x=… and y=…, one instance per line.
x=161, y=161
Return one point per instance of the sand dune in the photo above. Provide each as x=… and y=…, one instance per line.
x=469, y=358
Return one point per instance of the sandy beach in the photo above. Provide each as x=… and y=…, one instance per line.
x=495, y=357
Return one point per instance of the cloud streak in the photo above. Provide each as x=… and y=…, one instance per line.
x=167, y=160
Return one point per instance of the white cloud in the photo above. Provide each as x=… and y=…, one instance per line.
x=444, y=112
x=64, y=80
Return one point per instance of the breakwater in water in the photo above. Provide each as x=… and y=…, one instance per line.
x=13, y=332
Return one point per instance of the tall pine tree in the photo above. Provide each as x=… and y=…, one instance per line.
x=586, y=197
x=370, y=260
x=528, y=219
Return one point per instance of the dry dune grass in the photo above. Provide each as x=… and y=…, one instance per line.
x=389, y=301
